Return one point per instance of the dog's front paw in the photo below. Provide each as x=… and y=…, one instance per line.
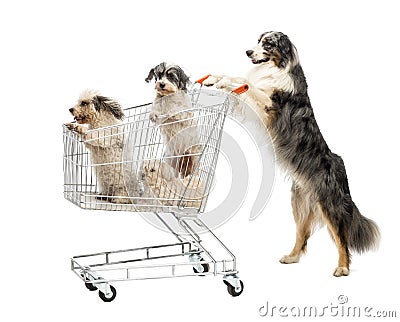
x=212, y=80
x=341, y=271
x=121, y=201
x=80, y=129
x=289, y=259
x=70, y=126
x=76, y=128
x=154, y=116
x=168, y=173
x=224, y=83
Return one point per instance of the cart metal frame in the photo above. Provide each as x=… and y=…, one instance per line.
x=99, y=270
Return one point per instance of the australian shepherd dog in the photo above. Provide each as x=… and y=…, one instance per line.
x=320, y=190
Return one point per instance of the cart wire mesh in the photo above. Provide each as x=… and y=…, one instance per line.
x=131, y=166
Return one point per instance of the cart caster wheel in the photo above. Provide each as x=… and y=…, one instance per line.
x=199, y=268
x=232, y=290
x=90, y=286
x=110, y=298
x=206, y=268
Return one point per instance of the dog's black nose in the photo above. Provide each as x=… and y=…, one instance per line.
x=162, y=85
x=249, y=52
x=71, y=109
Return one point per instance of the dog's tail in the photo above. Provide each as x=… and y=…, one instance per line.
x=363, y=234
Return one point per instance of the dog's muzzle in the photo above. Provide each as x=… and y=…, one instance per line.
x=76, y=118
x=250, y=54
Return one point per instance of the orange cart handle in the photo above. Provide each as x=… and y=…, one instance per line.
x=241, y=89
x=238, y=90
x=201, y=80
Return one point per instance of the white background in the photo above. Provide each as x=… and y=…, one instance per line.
x=51, y=51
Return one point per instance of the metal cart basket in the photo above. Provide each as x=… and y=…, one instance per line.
x=135, y=175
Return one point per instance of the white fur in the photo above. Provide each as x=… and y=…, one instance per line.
x=268, y=76
x=263, y=79
x=88, y=95
x=173, y=113
x=289, y=259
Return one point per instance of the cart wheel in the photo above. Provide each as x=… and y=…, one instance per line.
x=90, y=286
x=231, y=289
x=206, y=268
x=112, y=297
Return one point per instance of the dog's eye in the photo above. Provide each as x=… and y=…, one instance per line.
x=172, y=76
x=84, y=104
x=152, y=170
x=267, y=46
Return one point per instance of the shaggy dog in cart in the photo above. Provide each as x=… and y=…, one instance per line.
x=92, y=113
x=121, y=179
x=172, y=109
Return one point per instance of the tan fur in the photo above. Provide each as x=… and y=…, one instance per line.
x=343, y=268
x=307, y=217
x=105, y=146
x=170, y=192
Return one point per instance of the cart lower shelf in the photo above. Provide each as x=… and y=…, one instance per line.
x=191, y=258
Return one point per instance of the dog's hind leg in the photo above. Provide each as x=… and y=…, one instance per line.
x=304, y=218
x=339, y=235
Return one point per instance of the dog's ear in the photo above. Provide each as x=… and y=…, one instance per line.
x=150, y=76
x=109, y=105
x=286, y=48
x=262, y=35
x=183, y=80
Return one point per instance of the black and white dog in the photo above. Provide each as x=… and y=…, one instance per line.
x=320, y=191
x=172, y=110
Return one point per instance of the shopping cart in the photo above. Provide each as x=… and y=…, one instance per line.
x=138, y=170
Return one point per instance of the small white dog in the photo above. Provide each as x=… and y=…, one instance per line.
x=186, y=192
x=172, y=110
x=107, y=147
